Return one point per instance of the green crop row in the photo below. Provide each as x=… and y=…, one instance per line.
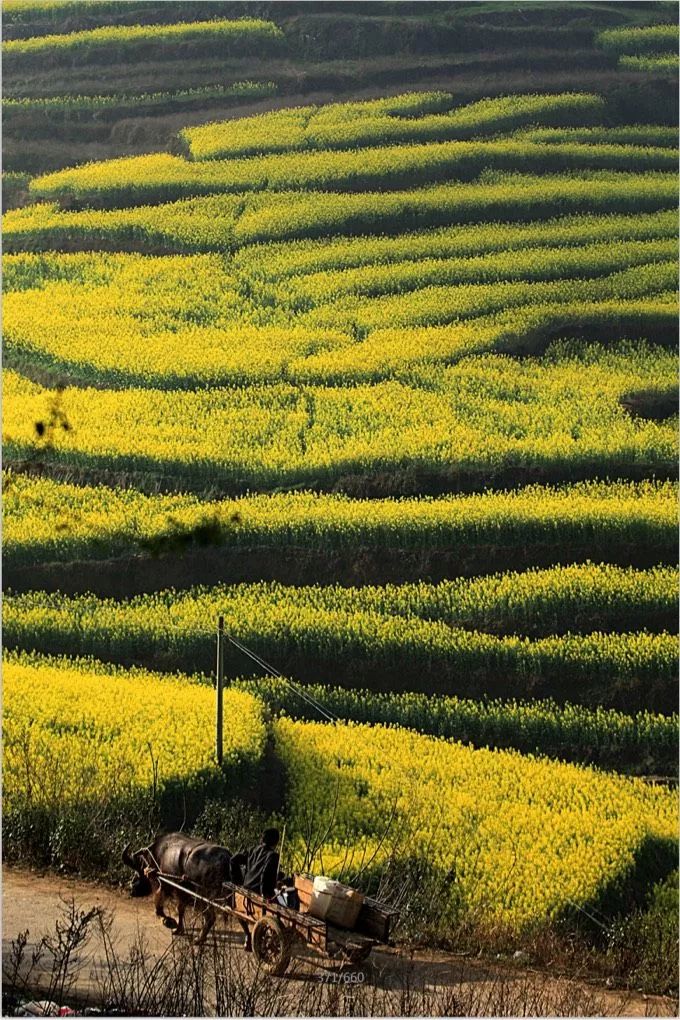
x=401, y=119
x=644, y=742
x=576, y=599
x=645, y=39
x=14, y=189
x=534, y=603
x=515, y=198
x=18, y=10
x=651, y=48
x=226, y=221
x=277, y=261
x=622, y=134
x=657, y=62
x=126, y=42
x=317, y=643
x=191, y=226
x=527, y=265
x=38, y=17
x=532, y=329
x=46, y=521
x=17, y=112
x=479, y=422
x=440, y=304
x=284, y=130
x=162, y=177
x=255, y=264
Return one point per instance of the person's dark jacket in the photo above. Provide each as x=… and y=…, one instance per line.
x=261, y=866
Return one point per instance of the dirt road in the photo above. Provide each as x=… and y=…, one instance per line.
x=36, y=902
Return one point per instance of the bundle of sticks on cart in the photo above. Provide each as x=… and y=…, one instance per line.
x=274, y=929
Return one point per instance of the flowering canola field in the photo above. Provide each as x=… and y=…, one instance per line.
x=488, y=833
x=424, y=116
x=354, y=146
x=583, y=634
x=521, y=839
x=494, y=646
x=643, y=48
x=75, y=732
x=247, y=35
x=410, y=329
x=225, y=221
x=569, y=732
x=485, y=417
x=50, y=521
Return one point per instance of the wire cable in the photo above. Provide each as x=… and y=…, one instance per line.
x=326, y=713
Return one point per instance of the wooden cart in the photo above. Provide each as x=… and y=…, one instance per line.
x=275, y=929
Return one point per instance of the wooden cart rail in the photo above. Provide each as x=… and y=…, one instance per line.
x=274, y=928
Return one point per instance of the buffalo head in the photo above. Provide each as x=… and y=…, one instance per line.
x=140, y=885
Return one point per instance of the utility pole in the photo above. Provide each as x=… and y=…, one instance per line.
x=218, y=689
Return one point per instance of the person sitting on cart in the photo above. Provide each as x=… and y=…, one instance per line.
x=262, y=867
x=258, y=869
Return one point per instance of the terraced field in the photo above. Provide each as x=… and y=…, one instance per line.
x=536, y=837
x=462, y=638
x=100, y=752
x=389, y=383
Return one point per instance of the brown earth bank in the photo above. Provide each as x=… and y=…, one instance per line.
x=395, y=981
x=125, y=576
x=374, y=482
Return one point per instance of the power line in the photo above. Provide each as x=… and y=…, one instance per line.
x=326, y=713
x=323, y=711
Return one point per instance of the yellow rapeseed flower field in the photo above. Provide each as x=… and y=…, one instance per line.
x=392, y=298
x=245, y=35
x=73, y=731
x=521, y=839
x=158, y=177
x=47, y=520
x=584, y=633
x=484, y=416
x=416, y=116
x=181, y=321
x=225, y=221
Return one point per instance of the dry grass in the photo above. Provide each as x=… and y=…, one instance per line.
x=185, y=980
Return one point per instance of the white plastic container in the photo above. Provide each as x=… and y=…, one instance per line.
x=335, y=903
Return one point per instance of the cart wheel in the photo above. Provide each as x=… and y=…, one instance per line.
x=272, y=946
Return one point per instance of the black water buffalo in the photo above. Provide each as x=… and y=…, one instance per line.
x=200, y=865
